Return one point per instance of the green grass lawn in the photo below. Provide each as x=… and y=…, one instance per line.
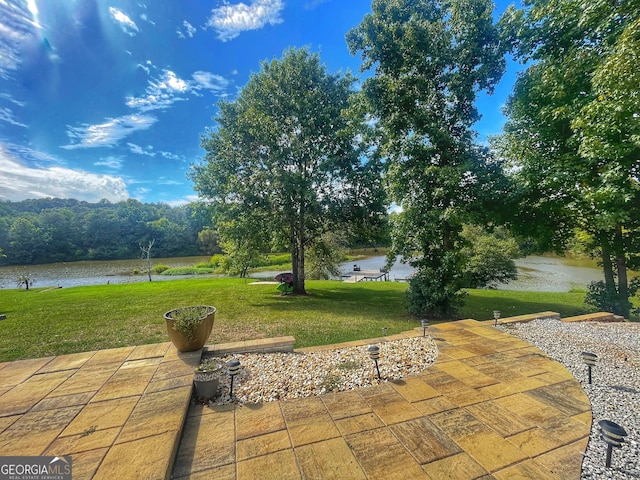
x=58, y=321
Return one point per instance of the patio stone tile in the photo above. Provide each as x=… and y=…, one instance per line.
x=6, y=422
x=435, y=405
x=550, y=378
x=530, y=408
x=83, y=442
x=345, y=404
x=14, y=373
x=586, y=418
x=171, y=369
x=329, y=459
x=148, y=457
x=458, y=423
x=142, y=362
x=262, y=445
x=125, y=382
x=51, y=403
x=468, y=396
x=308, y=421
x=566, y=461
x=258, y=419
x=443, y=382
x=111, y=356
x=567, y=397
x=424, y=440
x=392, y=407
x=149, y=351
x=85, y=380
x=276, y=466
x=302, y=408
x=67, y=362
x=85, y=464
x=527, y=470
x=157, y=413
x=169, y=383
x=414, y=389
x=491, y=450
x=101, y=415
x=455, y=353
x=32, y=434
x=455, y=467
x=507, y=388
x=22, y=397
x=207, y=442
x=225, y=472
x=312, y=429
x=566, y=429
x=359, y=423
x=535, y=441
x=381, y=455
x=503, y=421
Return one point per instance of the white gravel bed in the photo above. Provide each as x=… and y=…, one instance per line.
x=615, y=389
x=266, y=377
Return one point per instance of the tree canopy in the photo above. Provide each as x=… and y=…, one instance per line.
x=286, y=163
x=430, y=59
x=573, y=134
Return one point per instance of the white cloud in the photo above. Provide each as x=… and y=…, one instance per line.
x=183, y=201
x=160, y=93
x=146, y=19
x=170, y=156
x=114, y=163
x=109, y=133
x=189, y=30
x=128, y=26
x=140, y=151
x=163, y=92
x=229, y=21
x=210, y=81
x=6, y=115
x=17, y=25
x=19, y=182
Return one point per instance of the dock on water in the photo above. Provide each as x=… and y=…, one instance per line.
x=365, y=276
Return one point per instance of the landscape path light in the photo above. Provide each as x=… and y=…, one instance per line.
x=589, y=360
x=425, y=324
x=496, y=317
x=234, y=369
x=374, y=354
x=613, y=435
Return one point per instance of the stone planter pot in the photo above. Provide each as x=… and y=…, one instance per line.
x=200, y=333
x=206, y=384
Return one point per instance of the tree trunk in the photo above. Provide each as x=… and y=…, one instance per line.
x=607, y=265
x=297, y=238
x=621, y=267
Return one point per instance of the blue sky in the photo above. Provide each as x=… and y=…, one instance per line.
x=108, y=99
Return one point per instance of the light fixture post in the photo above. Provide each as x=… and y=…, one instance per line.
x=234, y=369
x=589, y=360
x=496, y=317
x=374, y=354
x=425, y=324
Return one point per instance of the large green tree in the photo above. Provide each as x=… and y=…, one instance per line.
x=430, y=59
x=573, y=134
x=286, y=155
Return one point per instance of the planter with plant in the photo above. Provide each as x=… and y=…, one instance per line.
x=189, y=327
x=207, y=379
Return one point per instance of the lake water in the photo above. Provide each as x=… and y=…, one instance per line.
x=535, y=273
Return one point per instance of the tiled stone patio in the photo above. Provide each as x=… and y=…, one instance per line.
x=491, y=406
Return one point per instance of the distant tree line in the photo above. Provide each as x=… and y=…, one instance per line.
x=63, y=230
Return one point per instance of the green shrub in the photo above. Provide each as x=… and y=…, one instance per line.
x=188, y=271
x=159, y=268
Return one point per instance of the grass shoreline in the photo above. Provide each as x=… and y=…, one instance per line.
x=60, y=321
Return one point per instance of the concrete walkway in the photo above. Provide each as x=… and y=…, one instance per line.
x=492, y=406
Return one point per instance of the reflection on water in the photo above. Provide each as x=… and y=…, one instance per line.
x=535, y=273
x=72, y=274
